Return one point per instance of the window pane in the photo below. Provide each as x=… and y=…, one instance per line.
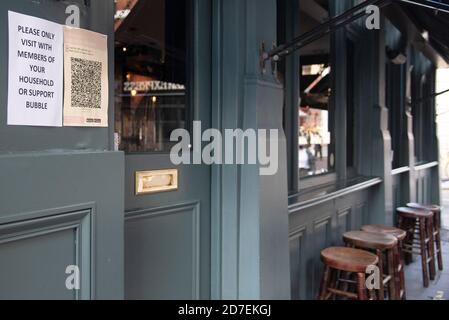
x=314, y=142
x=315, y=155
x=150, y=73
x=350, y=107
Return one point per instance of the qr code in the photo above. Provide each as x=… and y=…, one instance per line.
x=86, y=83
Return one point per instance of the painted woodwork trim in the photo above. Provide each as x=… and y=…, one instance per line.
x=426, y=166
x=399, y=171
x=294, y=208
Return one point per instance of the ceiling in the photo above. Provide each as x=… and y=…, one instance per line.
x=436, y=24
x=312, y=14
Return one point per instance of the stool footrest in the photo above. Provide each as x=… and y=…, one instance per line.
x=343, y=293
x=347, y=281
x=412, y=252
x=387, y=279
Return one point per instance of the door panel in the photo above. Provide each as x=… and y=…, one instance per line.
x=163, y=83
x=56, y=242
x=162, y=251
x=18, y=259
x=61, y=210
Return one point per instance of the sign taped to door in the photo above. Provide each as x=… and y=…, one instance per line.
x=35, y=71
x=86, y=88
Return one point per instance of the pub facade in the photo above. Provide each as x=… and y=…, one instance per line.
x=103, y=205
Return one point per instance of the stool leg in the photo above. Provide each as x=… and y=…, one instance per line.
x=401, y=276
x=431, y=248
x=324, y=283
x=403, y=224
x=345, y=276
x=439, y=251
x=372, y=295
x=361, y=286
x=333, y=282
x=422, y=236
x=392, y=273
x=379, y=254
x=437, y=227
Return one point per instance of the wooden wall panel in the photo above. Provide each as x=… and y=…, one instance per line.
x=315, y=228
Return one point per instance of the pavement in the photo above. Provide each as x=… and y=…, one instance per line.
x=413, y=272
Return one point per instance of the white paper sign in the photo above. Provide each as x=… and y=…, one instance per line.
x=35, y=84
x=85, y=78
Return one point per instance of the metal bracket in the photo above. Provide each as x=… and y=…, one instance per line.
x=264, y=57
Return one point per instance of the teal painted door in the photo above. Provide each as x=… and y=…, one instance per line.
x=61, y=189
x=162, y=84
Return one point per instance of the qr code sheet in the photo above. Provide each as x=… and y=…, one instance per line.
x=86, y=83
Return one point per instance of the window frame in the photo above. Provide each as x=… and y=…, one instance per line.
x=189, y=69
x=341, y=170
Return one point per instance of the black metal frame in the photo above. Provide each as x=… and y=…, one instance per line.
x=429, y=4
x=342, y=20
x=323, y=29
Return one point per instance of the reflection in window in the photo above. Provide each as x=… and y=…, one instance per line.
x=314, y=130
x=315, y=150
x=314, y=141
x=150, y=73
x=313, y=69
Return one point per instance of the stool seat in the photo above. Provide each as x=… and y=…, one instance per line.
x=395, y=232
x=427, y=207
x=414, y=213
x=348, y=259
x=370, y=240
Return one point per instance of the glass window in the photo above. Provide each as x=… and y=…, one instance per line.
x=308, y=89
x=315, y=137
x=395, y=91
x=394, y=84
x=314, y=130
x=423, y=85
x=150, y=73
x=350, y=105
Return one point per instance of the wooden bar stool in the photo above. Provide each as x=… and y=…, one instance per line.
x=385, y=247
x=436, y=210
x=400, y=235
x=340, y=259
x=419, y=223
